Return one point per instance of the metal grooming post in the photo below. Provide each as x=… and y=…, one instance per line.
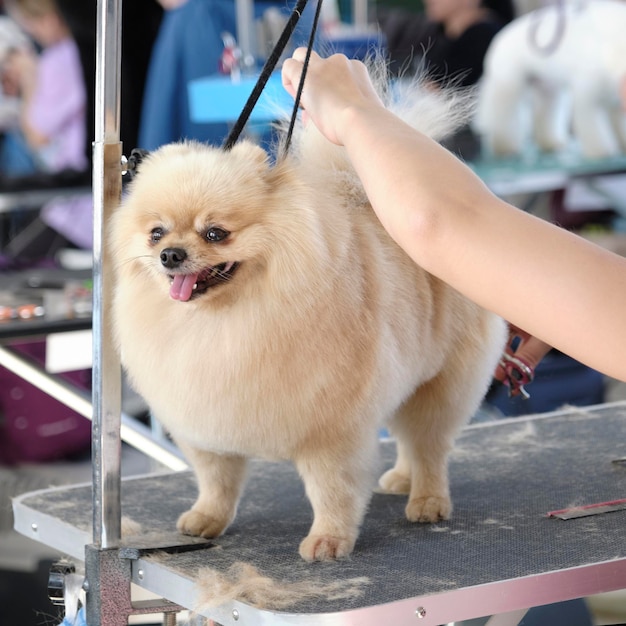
x=108, y=573
x=107, y=189
x=100, y=558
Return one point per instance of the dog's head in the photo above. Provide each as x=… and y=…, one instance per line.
x=198, y=220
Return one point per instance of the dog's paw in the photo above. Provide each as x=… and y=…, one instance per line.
x=200, y=525
x=428, y=509
x=393, y=481
x=325, y=547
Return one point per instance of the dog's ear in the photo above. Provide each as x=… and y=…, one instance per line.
x=254, y=153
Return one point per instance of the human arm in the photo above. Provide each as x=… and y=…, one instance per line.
x=558, y=287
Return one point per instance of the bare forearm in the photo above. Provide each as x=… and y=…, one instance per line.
x=549, y=282
x=552, y=284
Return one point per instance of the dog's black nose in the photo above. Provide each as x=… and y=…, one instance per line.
x=172, y=257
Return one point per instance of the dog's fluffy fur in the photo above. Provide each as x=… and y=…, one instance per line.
x=314, y=330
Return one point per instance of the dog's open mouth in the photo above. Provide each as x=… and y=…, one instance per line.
x=185, y=287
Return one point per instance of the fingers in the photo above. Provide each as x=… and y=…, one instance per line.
x=292, y=69
x=290, y=75
x=299, y=54
x=522, y=354
x=333, y=85
x=529, y=348
x=532, y=350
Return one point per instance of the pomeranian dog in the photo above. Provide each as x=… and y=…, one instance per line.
x=262, y=311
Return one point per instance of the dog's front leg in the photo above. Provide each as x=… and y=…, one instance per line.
x=220, y=480
x=339, y=486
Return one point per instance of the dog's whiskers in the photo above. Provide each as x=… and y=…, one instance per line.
x=224, y=274
x=135, y=258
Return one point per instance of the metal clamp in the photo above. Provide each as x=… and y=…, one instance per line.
x=130, y=164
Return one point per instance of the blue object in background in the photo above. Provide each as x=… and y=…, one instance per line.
x=354, y=44
x=79, y=621
x=215, y=99
x=189, y=47
x=16, y=157
x=570, y=613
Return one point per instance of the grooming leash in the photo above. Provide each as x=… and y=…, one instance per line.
x=305, y=67
x=267, y=70
x=130, y=164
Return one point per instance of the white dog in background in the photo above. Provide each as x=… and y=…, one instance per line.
x=555, y=74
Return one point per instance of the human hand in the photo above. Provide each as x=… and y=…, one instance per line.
x=521, y=356
x=20, y=71
x=333, y=86
x=10, y=82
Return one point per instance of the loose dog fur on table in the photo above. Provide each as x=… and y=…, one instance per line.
x=262, y=311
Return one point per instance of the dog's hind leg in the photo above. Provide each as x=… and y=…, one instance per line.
x=220, y=481
x=338, y=483
x=426, y=427
x=398, y=479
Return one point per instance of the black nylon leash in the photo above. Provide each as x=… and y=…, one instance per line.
x=268, y=68
x=305, y=67
x=129, y=166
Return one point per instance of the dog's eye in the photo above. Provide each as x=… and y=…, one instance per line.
x=216, y=234
x=156, y=234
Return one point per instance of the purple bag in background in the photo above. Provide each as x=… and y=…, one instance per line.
x=35, y=427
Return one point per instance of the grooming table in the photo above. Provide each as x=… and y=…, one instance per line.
x=500, y=553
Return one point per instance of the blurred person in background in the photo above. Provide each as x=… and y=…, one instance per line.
x=446, y=44
x=464, y=31
x=52, y=123
x=445, y=39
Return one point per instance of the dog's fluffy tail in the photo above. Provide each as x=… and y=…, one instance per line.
x=434, y=112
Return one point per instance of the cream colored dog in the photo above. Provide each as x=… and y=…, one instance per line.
x=262, y=311
x=553, y=75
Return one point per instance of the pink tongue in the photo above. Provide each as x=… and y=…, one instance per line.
x=182, y=286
